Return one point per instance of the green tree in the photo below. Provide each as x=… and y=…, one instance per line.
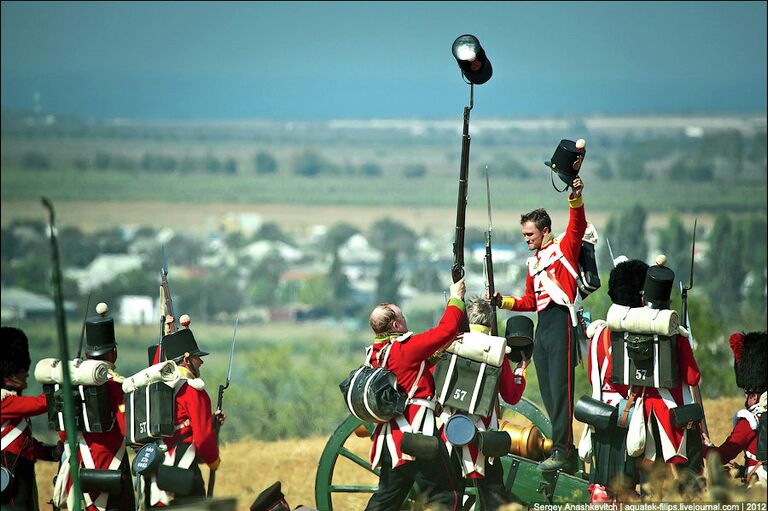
x=388, y=281
x=370, y=169
x=340, y=288
x=724, y=272
x=675, y=242
x=337, y=235
x=386, y=234
x=272, y=232
x=264, y=163
x=415, y=170
x=310, y=163
x=35, y=160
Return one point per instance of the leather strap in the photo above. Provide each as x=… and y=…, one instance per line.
x=625, y=413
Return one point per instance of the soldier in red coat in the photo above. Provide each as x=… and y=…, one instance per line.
x=750, y=354
x=406, y=355
x=672, y=444
x=550, y=289
x=194, y=441
x=485, y=473
x=102, y=450
x=20, y=450
x=612, y=467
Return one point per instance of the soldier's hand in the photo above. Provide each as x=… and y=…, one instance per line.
x=524, y=362
x=215, y=465
x=578, y=187
x=219, y=416
x=458, y=289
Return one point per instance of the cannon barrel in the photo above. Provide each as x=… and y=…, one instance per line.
x=526, y=441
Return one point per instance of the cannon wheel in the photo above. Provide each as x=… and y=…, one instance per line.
x=335, y=449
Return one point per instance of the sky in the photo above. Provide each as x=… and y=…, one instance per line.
x=319, y=60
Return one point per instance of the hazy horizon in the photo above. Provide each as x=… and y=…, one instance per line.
x=230, y=61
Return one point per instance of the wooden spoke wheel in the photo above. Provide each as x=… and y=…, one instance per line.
x=344, y=478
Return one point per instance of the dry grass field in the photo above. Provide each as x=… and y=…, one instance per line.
x=91, y=216
x=249, y=466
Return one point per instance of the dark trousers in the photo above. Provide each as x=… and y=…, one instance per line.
x=439, y=480
x=491, y=492
x=555, y=358
x=126, y=501
x=21, y=495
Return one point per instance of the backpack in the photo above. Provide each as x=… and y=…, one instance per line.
x=371, y=393
x=588, y=280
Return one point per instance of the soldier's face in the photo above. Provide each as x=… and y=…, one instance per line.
x=532, y=235
x=17, y=380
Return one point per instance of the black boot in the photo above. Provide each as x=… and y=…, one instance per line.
x=556, y=461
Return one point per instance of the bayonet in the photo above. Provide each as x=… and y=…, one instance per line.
x=610, y=251
x=82, y=331
x=216, y=421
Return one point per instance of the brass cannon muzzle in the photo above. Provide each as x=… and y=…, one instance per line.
x=526, y=441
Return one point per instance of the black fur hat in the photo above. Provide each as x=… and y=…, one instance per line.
x=625, y=285
x=15, y=352
x=750, y=360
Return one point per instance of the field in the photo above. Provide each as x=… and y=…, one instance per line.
x=249, y=466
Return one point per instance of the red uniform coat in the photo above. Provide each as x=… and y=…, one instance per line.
x=536, y=298
x=405, y=361
x=99, y=450
x=659, y=401
x=15, y=411
x=743, y=438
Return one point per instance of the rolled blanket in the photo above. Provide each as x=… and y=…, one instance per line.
x=44, y=370
x=89, y=372
x=480, y=348
x=164, y=371
x=642, y=320
x=82, y=372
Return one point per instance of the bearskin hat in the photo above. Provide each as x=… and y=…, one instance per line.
x=625, y=284
x=750, y=360
x=15, y=352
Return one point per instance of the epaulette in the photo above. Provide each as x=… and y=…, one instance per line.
x=116, y=376
x=5, y=393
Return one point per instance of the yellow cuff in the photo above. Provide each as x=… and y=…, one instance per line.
x=507, y=302
x=215, y=464
x=576, y=203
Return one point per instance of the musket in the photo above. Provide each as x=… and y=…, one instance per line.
x=165, y=292
x=82, y=332
x=489, y=284
x=220, y=399
x=457, y=271
x=61, y=326
x=696, y=391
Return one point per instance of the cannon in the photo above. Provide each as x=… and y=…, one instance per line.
x=344, y=479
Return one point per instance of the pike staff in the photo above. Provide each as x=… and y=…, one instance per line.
x=61, y=326
x=220, y=399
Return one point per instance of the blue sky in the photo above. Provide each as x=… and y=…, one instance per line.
x=314, y=60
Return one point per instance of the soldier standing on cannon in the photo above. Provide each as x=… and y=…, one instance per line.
x=20, y=450
x=550, y=289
